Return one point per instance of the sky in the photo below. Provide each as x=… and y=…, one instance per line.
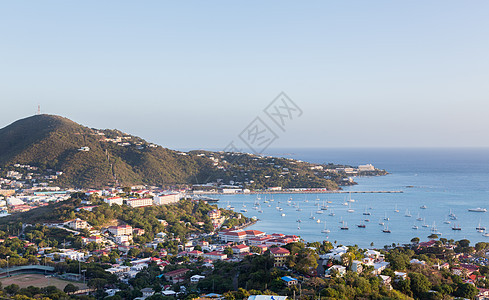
x=196, y=74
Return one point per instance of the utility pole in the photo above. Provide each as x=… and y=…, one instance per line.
x=8, y=274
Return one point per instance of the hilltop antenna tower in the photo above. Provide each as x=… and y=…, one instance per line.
x=38, y=109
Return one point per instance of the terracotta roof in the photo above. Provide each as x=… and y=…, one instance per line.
x=279, y=250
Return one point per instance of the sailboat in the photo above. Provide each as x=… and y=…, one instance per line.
x=425, y=225
x=396, y=210
x=423, y=207
x=386, y=218
x=312, y=217
x=381, y=223
x=434, y=229
x=325, y=230
x=480, y=228
x=415, y=226
x=361, y=225
x=350, y=210
x=419, y=218
x=318, y=221
x=455, y=227
x=344, y=226
x=366, y=212
x=331, y=213
x=407, y=214
x=386, y=229
x=349, y=198
x=298, y=208
x=229, y=205
x=324, y=206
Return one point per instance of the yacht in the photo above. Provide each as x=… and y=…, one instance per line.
x=415, y=226
x=386, y=218
x=386, y=229
x=381, y=223
x=423, y=207
x=419, y=218
x=244, y=210
x=361, y=225
x=318, y=221
x=319, y=211
x=478, y=209
x=350, y=210
x=486, y=234
x=407, y=214
x=331, y=213
x=455, y=227
x=350, y=199
x=283, y=215
x=344, y=226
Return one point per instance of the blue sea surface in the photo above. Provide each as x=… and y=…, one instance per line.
x=443, y=180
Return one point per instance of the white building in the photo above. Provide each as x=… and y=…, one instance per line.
x=167, y=198
x=139, y=202
x=114, y=200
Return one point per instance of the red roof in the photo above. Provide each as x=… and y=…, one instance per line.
x=240, y=246
x=279, y=250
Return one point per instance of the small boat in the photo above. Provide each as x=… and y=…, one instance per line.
x=361, y=225
x=423, y=207
x=244, y=210
x=331, y=213
x=283, y=215
x=318, y=221
x=386, y=218
x=319, y=211
x=231, y=208
x=415, y=226
x=298, y=208
x=386, y=229
x=298, y=220
x=344, y=227
x=407, y=214
x=350, y=199
x=228, y=206
x=367, y=220
x=312, y=217
x=381, y=223
x=260, y=211
x=455, y=227
x=324, y=206
x=419, y=218
x=325, y=230
x=345, y=203
x=447, y=221
x=478, y=209
x=479, y=227
x=350, y=210
x=396, y=210
x=486, y=234
x=366, y=212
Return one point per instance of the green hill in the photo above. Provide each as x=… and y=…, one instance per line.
x=116, y=158
x=53, y=142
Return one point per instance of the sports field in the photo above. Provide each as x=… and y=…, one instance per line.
x=38, y=280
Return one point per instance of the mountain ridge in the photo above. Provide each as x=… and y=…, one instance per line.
x=96, y=158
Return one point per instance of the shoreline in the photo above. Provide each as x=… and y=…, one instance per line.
x=304, y=192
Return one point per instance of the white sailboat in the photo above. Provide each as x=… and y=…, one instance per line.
x=325, y=230
x=407, y=214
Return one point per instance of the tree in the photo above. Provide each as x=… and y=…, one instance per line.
x=467, y=290
x=97, y=283
x=415, y=240
x=433, y=236
x=70, y=288
x=12, y=289
x=419, y=284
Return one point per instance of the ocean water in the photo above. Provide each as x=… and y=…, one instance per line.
x=443, y=180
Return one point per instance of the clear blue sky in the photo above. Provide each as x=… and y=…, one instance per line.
x=193, y=74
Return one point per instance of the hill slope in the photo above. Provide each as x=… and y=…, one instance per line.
x=116, y=158
x=53, y=142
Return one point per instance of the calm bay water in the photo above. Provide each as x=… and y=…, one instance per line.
x=443, y=180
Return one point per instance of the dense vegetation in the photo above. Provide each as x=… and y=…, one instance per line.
x=52, y=143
